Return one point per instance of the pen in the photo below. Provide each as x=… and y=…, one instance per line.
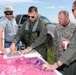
x=2, y=53
x=36, y=62
x=45, y=68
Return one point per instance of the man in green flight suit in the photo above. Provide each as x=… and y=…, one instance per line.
x=68, y=58
x=34, y=33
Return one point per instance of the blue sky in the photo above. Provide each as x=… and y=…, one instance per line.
x=48, y=8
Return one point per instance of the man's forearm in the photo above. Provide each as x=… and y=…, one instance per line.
x=16, y=39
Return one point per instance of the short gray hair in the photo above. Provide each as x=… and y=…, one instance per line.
x=66, y=13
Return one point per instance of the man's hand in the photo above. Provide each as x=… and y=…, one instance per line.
x=25, y=51
x=4, y=51
x=53, y=66
x=49, y=67
x=12, y=48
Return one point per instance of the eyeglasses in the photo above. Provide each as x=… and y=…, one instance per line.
x=31, y=16
x=73, y=10
x=8, y=13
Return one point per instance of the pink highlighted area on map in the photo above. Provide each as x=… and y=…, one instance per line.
x=22, y=66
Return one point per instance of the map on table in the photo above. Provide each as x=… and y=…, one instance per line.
x=16, y=54
x=22, y=66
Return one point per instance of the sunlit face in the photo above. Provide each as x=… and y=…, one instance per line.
x=9, y=15
x=33, y=16
x=74, y=11
x=62, y=19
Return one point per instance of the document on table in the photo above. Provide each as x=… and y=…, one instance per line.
x=16, y=54
x=33, y=53
x=9, y=55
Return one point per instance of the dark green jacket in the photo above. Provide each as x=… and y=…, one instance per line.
x=69, y=55
x=32, y=38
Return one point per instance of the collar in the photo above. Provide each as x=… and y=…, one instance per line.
x=66, y=24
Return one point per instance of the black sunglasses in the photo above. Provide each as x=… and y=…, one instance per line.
x=73, y=10
x=8, y=13
x=31, y=16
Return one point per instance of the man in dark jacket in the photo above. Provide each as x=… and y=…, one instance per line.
x=34, y=33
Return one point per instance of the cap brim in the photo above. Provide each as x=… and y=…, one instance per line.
x=8, y=11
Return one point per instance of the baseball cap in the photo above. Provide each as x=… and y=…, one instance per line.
x=8, y=8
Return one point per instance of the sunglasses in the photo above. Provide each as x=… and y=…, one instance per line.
x=73, y=10
x=8, y=13
x=31, y=16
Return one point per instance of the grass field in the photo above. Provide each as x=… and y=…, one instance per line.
x=50, y=56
